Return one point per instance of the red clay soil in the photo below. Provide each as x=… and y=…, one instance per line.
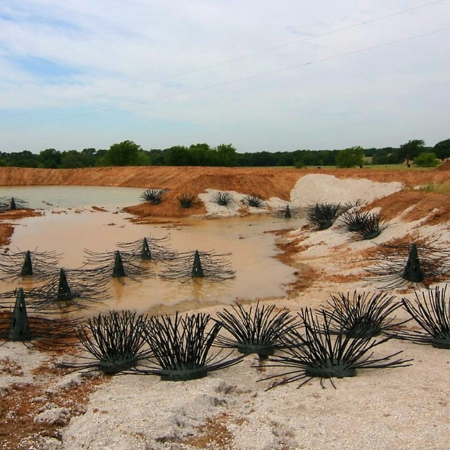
x=264, y=182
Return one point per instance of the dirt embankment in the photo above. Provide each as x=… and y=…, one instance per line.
x=264, y=182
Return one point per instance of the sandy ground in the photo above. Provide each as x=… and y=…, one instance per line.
x=43, y=407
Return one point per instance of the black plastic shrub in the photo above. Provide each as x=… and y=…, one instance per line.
x=257, y=330
x=368, y=224
x=181, y=347
x=115, y=340
x=317, y=352
x=222, y=198
x=186, y=200
x=253, y=201
x=323, y=215
x=153, y=196
x=431, y=311
x=364, y=314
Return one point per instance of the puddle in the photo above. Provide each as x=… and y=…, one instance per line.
x=71, y=231
x=51, y=197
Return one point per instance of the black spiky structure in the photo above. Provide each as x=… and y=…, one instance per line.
x=289, y=212
x=258, y=329
x=153, y=196
x=186, y=200
x=19, y=328
x=253, y=200
x=12, y=204
x=199, y=265
x=316, y=351
x=67, y=291
x=398, y=264
x=364, y=314
x=222, y=198
x=117, y=264
x=28, y=264
x=323, y=215
x=181, y=347
x=148, y=249
x=114, y=342
x=367, y=224
x=373, y=226
x=431, y=311
x=31, y=329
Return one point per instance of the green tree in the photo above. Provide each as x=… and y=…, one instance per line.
x=426, y=160
x=201, y=155
x=126, y=153
x=72, y=160
x=178, y=155
x=411, y=150
x=226, y=155
x=350, y=157
x=442, y=149
x=88, y=156
x=49, y=158
x=21, y=159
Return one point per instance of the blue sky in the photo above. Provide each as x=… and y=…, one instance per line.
x=261, y=75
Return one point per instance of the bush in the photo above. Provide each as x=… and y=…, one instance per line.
x=426, y=160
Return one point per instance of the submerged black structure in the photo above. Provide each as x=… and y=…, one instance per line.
x=19, y=329
x=116, y=264
x=31, y=329
x=363, y=314
x=431, y=311
x=181, y=347
x=67, y=291
x=199, y=264
x=148, y=249
x=257, y=330
x=29, y=264
x=398, y=264
x=289, y=212
x=12, y=204
x=316, y=352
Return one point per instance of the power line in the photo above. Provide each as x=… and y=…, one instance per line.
x=250, y=55
x=262, y=74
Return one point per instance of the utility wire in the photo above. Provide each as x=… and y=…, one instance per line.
x=250, y=55
x=251, y=77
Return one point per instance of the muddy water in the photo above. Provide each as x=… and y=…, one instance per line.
x=70, y=231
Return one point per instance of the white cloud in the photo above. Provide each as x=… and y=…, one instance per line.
x=220, y=70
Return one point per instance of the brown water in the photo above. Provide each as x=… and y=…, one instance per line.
x=258, y=273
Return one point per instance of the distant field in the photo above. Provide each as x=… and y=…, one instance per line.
x=402, y=167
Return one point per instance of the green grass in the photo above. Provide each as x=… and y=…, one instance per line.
x=398, y=167
x=443, y=188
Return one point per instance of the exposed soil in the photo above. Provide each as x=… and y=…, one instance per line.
x=265, y=183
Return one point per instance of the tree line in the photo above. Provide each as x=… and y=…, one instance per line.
x=128, y=153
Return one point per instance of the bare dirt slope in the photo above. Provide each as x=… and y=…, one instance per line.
x=264, y=182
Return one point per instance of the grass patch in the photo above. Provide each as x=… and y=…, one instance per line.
x=443, y=188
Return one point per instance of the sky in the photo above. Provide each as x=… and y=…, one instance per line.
x=261, y=75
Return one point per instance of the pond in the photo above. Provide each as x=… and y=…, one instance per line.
x=69, y=226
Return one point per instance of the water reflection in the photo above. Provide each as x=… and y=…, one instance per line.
x=258, y=273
